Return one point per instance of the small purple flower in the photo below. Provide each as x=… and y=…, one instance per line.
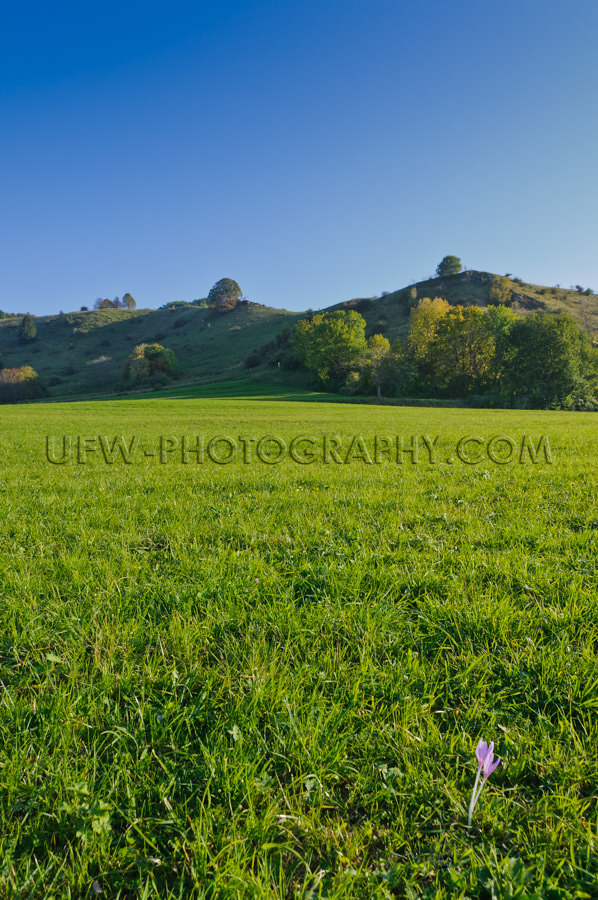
x=482, y=752
x=486, y=766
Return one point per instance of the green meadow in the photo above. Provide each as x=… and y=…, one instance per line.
x=250, y=678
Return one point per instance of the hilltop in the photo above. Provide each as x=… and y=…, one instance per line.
x=82, y=353
x=389, y=314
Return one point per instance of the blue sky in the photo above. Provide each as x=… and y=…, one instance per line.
x=314, y=150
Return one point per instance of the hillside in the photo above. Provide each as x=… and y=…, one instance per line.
x=389, y=314
x=83, y=353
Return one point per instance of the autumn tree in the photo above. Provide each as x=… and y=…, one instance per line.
x=20, y=384
x=500, y=290
x=459, y=349
x=462, y=350
x=128, y=301
x=423, y=323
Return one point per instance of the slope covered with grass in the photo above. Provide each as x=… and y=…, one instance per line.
x=81, y=353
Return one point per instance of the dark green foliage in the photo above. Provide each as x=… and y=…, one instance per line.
x=224, y=296
x=552, y=363
x=450, y=265
x=27, y=330
x=364, y=305
x=253, y=360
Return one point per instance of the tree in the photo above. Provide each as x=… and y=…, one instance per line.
x=423, y=323
x=147, y=361
x=450, y=265
x=500, y=290
x=498, y=322
x=20, y=384
x=458, y=349
x=328, y=344
x=462, y=350
x=128, y=301
x=376, y=359
x=224, y=295
x=553, y=363
x=27, y=329
x=161, y=359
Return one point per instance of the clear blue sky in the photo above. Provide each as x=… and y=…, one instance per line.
x=314, y=150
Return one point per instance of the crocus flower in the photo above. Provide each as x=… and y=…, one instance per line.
x=486, y=766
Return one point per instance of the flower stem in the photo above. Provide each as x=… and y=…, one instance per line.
x=474, y=797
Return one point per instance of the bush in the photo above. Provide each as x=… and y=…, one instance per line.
x=27, y=330
x=20, y=384
x=363, y=305
x=500, y=292
x=381, y=326
x=147, y=361
x=173, y=304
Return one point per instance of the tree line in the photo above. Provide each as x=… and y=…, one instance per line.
x=491, y=355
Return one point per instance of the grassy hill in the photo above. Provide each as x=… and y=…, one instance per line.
x=77, y=354
x=389, y=314
x=83, y=353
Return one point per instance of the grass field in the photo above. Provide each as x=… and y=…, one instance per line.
x=267, y=680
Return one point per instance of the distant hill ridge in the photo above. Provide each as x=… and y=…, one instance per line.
x=83, y=353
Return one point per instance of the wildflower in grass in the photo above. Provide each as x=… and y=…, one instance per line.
x=486, y=766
